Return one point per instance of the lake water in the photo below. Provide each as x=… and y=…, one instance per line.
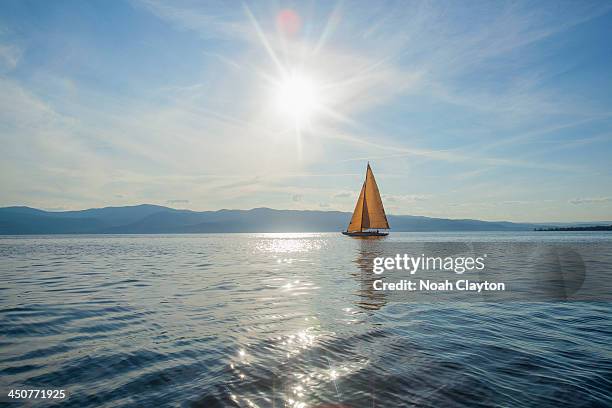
x=287, y=320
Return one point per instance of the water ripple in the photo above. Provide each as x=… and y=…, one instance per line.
x=278, y=320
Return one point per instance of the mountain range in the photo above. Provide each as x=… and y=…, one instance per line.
x=154, y=219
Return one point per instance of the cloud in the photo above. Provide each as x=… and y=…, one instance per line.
x=206, y=22
x=343, y=194
x=404, y=199
x=297, y=197
x=9, y=57
x=596, y=200
x=516, y=202
x=178, y=201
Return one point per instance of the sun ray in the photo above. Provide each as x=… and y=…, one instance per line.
x=264, y=40
x=332, y=20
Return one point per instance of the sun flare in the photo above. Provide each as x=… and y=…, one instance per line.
x=297, y=97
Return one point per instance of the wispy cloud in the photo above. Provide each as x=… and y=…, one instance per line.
x=344, y=194
x=217, y=20
x=592, y=200
x=405, y=199
x=9, y=57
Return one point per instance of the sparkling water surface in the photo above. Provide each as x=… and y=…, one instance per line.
x=282, y=320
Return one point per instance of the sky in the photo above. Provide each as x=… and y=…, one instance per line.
x=486, y=110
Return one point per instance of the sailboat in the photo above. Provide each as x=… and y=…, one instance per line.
x=369, y=215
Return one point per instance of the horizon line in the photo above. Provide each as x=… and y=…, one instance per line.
x=302, y=210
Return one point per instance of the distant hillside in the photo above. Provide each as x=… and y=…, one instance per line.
x=150, y=219
x=587, y=228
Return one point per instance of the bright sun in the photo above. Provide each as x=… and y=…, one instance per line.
x=297, y=97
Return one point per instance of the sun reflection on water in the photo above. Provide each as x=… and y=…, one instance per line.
x=307, y=368
x=288, y=243
x=305, y=377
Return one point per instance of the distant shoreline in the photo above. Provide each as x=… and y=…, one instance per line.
x=588, y=228
x=154, y=219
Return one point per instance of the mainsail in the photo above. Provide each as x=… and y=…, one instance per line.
x=369, y=212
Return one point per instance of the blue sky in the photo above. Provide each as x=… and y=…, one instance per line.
x=488, y=110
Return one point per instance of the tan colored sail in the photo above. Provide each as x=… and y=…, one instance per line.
x=375, y=209
x=357, y=218
x=369, y=212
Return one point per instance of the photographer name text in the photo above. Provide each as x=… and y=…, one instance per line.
x=444, y=286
